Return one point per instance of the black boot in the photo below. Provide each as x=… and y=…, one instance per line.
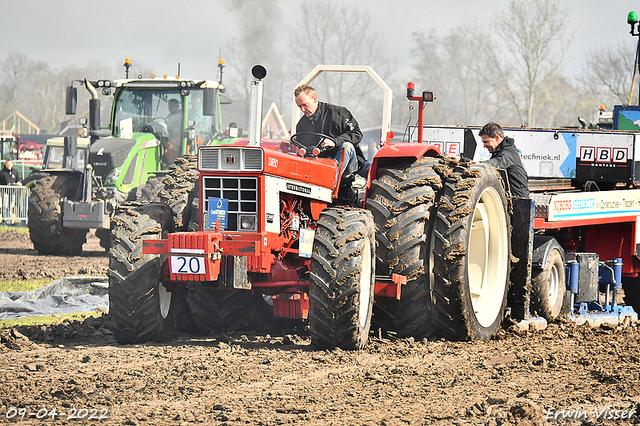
x=346, y=194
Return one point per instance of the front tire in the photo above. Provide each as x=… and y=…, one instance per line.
x=140, y=306
x=471, y=253
x=45, y=216
x=548, y=287
x=341, y=286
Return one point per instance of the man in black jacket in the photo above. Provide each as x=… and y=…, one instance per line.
x=331, y=120
x=8, y=175
x=505, y=155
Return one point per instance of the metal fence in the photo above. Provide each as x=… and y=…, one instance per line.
x=14, y=204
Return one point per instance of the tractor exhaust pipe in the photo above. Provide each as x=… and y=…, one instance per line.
x=94, y=108
x=257, y=89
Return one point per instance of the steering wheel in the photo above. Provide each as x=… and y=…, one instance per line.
x=318, y=148
x=158, y=126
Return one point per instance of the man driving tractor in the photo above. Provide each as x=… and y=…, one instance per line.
x=338, y=123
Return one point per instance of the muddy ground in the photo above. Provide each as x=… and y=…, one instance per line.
x=520, y=378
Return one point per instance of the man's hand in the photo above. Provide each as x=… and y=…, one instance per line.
x=328, y=143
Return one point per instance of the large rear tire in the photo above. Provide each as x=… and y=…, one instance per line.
x=140, y=306
x=471, y=253
x=151, y=189
x=341, y=285
x=220, y=310
x=45, y=216
x=177, y=186
x=548, y=287
x=402, y=202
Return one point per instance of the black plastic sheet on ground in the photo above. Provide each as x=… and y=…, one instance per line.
x=64, y=296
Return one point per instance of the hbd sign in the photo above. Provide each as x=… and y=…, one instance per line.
x=603, y=154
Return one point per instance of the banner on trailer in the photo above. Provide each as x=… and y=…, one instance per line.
x=594, y=205
x=547, y=153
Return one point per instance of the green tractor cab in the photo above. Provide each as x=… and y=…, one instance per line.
x=152, y=122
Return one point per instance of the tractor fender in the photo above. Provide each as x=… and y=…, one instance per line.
x=542, y=246
x=401, y=151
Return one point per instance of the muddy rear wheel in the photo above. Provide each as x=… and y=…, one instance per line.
x=178, y=184
x=220, y=310
x=471, y=253
x=402, y=203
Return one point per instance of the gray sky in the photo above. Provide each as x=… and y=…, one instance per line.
x=161, y=33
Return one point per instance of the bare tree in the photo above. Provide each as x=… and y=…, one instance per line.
x=528, y=48
x=607, y=73
x=38, y=91
x=30, y=87
x=449, y=66
x=331, y=32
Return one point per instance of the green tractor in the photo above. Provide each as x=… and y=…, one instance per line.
x=84, y=178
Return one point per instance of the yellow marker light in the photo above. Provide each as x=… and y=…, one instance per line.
x=221, y=61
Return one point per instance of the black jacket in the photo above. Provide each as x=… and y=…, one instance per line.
x=8, y=177
x=507, y=157
x=335, y=121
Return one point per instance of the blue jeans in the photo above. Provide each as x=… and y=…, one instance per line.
x=350, y=165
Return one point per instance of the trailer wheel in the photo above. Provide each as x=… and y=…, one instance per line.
x=631, y=287
x=220, y=310
x=471, y=253
x=341, y=279
x=45, y=216
x=140, y=306
x=402, y=202
x=548, y=287
x=177, y=184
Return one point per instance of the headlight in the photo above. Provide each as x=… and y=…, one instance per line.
x=113, y=176
x=248, y=223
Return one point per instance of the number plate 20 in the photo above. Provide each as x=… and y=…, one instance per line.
x=187, y=265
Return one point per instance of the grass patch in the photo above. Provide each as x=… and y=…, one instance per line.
x=48, y=319
x=23, y=285
x=20, y=229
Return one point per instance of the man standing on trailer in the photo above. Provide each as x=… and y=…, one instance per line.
x=505, y=155
x=332, y=120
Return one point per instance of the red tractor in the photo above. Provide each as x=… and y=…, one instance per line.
x=255, y=230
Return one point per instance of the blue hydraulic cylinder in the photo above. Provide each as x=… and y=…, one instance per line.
x=574, y=273
x=616, y=264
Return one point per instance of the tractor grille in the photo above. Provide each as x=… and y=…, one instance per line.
x=242, y=193
x=230, y=158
